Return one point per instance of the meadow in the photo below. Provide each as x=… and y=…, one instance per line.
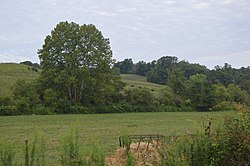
x=136, y=81
x=10, y=73
x=101, y=130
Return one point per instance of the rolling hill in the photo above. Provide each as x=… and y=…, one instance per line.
x=136, y=81
x=11, y=72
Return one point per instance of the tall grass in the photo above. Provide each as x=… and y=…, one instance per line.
x=7, y=155
x=226, y=146
x=72, y=154
x=35, y=152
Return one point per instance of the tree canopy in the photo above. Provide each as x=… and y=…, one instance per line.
x=76, y=64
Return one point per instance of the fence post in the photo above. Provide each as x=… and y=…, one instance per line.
x=26, y=153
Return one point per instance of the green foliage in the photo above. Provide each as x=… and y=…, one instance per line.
x=237, y=94
x=130, y=160
x=5, y=101
x=7, y=155
x=8, y=110
x=246, y=86
x=177, y=81
x=159, y=74
x=76, y=62
x=96, y=157
x=220, y=94
x=226, y=146
x=26, y=94
x=141, y=97
x=200, y=92
x=72, y=154
x=35, y=152
x=125, y=67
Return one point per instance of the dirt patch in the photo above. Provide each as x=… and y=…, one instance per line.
x=145, y=154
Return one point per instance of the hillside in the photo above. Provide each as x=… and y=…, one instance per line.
x=10, y=73
x=136, y=81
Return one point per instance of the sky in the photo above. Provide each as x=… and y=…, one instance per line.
x=209, y=32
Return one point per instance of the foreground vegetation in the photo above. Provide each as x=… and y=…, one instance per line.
x=101, y=130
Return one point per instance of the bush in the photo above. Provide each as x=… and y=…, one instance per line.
x=164, y=108
x=5, y=101
x=187, y=109
x=225, y=106
x=8, y=110
x=42, y=110
x=78, y=109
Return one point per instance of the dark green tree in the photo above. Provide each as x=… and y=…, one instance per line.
x=125, y=67
x=200, y=92
x=159, y=74
x=177, y=81
x=238, y=95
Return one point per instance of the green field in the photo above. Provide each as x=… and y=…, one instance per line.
x=102, y=130
x=10, y=73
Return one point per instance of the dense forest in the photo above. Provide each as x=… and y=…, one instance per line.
x=78, y=75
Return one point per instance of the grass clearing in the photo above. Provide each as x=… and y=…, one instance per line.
x=10, y=73
x=101, y=130
x=136, y=81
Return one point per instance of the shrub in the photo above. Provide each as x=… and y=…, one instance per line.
x=43, y=110
x=5, y=101
x=8, y=110
x=224, y=106
x=78, y=109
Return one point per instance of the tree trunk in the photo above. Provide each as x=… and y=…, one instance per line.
x=81, y=91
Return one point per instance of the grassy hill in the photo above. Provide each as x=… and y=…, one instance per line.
x=136, y=81
x=10, y=73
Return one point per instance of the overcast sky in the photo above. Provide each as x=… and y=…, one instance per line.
x=209, y=32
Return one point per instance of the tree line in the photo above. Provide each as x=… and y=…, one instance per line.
x=78, y=75
x=193, y=84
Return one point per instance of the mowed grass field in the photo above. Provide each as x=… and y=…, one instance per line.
x=136, y=81
x=10, y=73
x=101, y=130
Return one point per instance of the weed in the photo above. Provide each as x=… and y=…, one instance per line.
x=130, y=160
x=71, y=154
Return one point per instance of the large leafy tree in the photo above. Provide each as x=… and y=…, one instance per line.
x=200, y=92
x=76, y=64
x=159, y=74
